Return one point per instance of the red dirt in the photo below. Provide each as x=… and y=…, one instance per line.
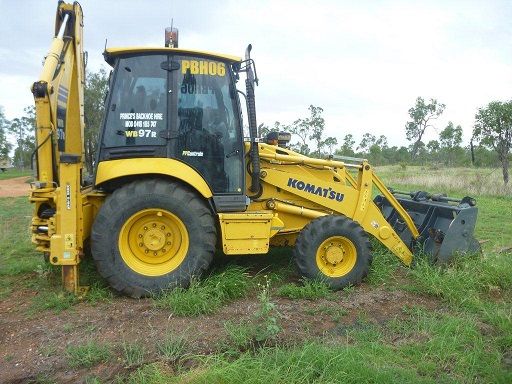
x=17, y=186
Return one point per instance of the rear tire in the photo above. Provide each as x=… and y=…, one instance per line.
x=333, y=249
x=152, y=235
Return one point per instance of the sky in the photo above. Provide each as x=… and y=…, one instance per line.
x=364, y=62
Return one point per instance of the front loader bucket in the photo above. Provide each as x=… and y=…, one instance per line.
x=445, y=225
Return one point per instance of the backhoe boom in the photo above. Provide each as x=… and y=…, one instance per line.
x=57, y=224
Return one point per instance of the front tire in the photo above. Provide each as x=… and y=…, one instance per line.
x=152, y=235
x=333, y=249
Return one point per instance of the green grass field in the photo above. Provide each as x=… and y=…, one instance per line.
x=14, y=172
x=453, y=325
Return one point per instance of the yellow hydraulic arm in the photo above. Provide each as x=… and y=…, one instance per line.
x=357, y=204
x=57, y=223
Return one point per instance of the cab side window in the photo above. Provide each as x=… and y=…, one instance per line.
x=137, y=112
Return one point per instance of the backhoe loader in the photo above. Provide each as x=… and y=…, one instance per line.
x=175, y=180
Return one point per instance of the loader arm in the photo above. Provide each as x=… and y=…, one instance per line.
x=57, y=223
x=352, y=198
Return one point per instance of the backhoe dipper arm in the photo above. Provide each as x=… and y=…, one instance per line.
x=59, y=95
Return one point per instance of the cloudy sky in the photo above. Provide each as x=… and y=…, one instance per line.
x=364, y=62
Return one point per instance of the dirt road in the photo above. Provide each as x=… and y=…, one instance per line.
x=14, y=187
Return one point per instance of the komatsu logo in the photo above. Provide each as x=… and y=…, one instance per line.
x=329, y=193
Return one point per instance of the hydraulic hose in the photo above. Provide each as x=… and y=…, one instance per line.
x=253, y=131
x=253, y=127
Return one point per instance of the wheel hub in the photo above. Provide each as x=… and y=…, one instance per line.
x=334, y=254
x=154, y=239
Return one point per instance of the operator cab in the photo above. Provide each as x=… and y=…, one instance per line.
x=179, y=104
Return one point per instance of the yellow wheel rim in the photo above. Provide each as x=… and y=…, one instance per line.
x=153, y=242
x=336, y=256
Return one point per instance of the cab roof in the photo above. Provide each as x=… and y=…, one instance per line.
x=111, y=53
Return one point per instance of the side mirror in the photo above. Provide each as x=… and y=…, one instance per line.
x=170, y=65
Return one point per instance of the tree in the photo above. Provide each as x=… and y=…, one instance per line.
x=366, y=142
x=493, y=129
x=451, y=136
x=310, y=128
x=96, y=87
x=377, y=149
x=433, y=148
x=23, y=129
x=5, y=146
x=382, y=142
x=301, y=129
x=421, y=156
x=347, y=148
x=422, y=115
x=263, y=130
x=316, y=124
x=450, y=139
x=331, y=142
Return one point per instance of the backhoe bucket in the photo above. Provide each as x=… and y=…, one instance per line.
x=446, y=225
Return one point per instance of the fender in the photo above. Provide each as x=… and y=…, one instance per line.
x=113, y=169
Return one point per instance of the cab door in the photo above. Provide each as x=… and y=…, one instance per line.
x=207, y=131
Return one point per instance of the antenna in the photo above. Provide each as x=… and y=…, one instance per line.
x=171, y=36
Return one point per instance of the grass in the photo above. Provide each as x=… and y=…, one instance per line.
x=464, y=336
x=154, y=373
x=240, y=337
x=334, y=311
x=133, y=354
x=261, y=330
x=92, y=380
x=48, y=349
x=14, y=172
x=383, y=267
x=49, y=300
x=425, y=347
x=308, y=290
x=468, y=181
x=494, y=222
x=5, y=288
x=173, y=347
x=207, y=295
x=98, y=293
x=450, y=347
x=17, y=254
x=52, y=297
x=87, y=355
x=466, y=281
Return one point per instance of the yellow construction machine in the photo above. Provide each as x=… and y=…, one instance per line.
x=175, y=179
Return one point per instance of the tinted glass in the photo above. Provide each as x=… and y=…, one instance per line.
x=137, y=113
